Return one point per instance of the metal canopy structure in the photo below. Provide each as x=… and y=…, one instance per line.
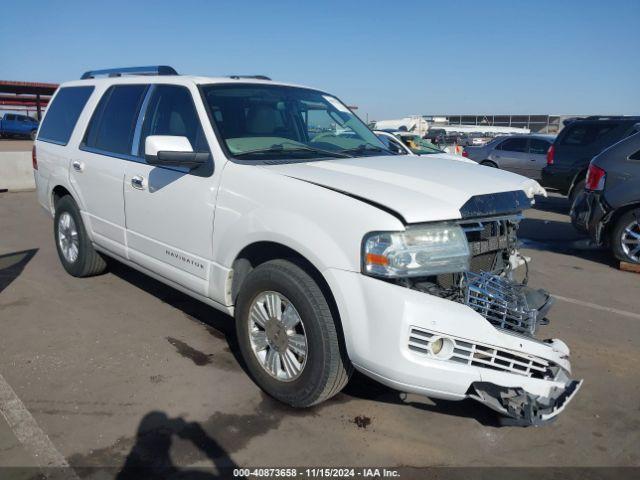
x=26, y=95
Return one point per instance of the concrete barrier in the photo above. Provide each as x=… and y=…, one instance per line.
x=16, y=171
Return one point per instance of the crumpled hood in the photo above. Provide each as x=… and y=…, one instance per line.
x=420, y=189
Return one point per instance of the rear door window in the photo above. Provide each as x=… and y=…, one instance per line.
x=538, y=146
x=63, y=114
x=587, y=133
x=514, y=145
x=113, y=123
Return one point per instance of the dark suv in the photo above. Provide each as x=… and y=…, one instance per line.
x=610, y=207
x=581, y=140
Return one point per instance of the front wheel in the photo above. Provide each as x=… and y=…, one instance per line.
x=288, y=336
x=625, y=237
x=32, y=135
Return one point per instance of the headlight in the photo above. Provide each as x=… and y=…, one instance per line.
x=418, y=251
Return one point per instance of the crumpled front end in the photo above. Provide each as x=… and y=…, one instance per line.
x=469, y=334
x=491, y=290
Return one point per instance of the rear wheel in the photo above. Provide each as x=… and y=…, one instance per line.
x=625, y=237
x=288, y=337
x=489, y=163
x=32, y=135
x=77, y=255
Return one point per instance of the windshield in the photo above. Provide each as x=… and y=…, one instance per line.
x=277, y=122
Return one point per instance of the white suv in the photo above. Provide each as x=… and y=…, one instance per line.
x=276, y=204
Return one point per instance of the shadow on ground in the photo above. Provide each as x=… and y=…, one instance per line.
x=12, y=265
x=364, y=388
x=150, y=456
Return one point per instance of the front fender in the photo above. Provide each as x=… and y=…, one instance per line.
x=255, y=204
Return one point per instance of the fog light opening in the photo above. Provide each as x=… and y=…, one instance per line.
x=441, y=347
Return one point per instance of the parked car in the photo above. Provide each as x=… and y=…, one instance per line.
x=406, y=143
x=523, y=154
x=473, y=139
x=436, y=135
x=14, y=125
x=609, y=209
x=575, y=146
x=329, y=253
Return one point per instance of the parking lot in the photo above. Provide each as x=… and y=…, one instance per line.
x=97, y=361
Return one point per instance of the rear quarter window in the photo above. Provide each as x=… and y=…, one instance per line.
x=63, y=113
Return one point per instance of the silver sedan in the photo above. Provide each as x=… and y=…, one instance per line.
x=523, y=154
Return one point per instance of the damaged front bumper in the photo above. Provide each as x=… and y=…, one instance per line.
x=519, y=407
x=447, y=348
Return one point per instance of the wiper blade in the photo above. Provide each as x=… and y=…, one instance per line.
x=367, y=147
x=279, y=148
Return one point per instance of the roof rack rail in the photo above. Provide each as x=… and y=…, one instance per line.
x=118, y=72
x=611, y=117
x=255, y=77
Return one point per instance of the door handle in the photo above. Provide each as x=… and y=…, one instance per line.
x=77, y=166
x=137, y=182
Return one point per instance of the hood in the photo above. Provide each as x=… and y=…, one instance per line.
x=419, y=189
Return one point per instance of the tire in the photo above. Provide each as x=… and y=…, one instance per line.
x=86, y=262
x=325, y=369
x=32, y=135
x=578, y=189
x=622, y=241
x=488, y=163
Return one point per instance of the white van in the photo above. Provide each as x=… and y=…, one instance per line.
x=276, y=204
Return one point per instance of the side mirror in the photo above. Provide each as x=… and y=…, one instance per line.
x=172, y=151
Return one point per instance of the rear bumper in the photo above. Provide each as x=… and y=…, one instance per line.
x=589, y=215
x=558, y=178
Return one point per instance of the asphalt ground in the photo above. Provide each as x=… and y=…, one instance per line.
x=120, y=370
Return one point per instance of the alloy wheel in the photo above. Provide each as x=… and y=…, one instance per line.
x=277, y=336
x=630, y=240
x=68, y=237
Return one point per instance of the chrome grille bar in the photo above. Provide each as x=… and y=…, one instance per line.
x=500, y=301
x=483, y=356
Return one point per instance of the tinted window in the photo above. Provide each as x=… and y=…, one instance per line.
x=171, y=111
x=113, y=123
x=514, y=145
x=538, y=147
x=586, y=134
x=9, y=117
x=63, y=114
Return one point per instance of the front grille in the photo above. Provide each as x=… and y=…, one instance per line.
x=500, y=301
x=483, y=356
x=489, y=235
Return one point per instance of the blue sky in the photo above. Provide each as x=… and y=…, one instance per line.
x=390, y=58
